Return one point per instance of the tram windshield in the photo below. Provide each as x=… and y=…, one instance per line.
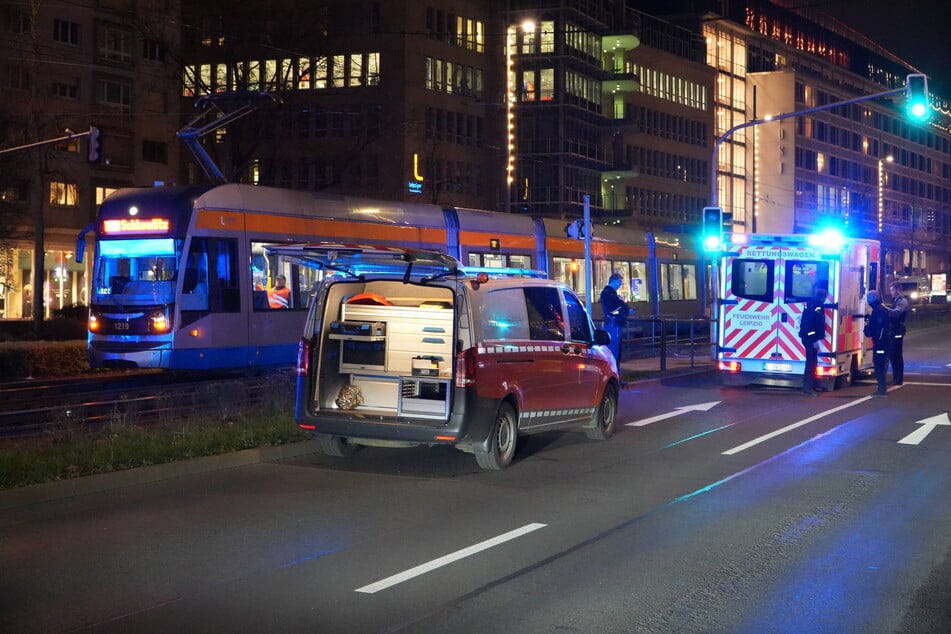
x=137, y=272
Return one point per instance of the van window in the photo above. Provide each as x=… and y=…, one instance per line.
x=578, y=319
x=545, y=319
x=504, y=315
x=753, y=279
x=801, y=275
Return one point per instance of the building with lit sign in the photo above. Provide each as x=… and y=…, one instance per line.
x=103, y=63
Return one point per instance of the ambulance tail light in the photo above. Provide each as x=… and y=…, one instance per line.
x=303, y=357
x=466, y=368
x=730, y=366
x=823, y=371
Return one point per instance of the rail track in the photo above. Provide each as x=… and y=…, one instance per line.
x=36, y=408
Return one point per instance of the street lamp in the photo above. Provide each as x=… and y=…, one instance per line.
x=882, y=176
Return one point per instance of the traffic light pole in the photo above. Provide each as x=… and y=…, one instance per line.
x=723, y=137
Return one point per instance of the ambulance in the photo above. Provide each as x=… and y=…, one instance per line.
x=763, y=284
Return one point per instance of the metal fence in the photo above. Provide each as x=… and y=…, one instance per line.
x=666, y=338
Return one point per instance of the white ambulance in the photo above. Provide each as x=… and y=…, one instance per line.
x=764, y=282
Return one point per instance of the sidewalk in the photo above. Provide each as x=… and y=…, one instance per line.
x=672, y=366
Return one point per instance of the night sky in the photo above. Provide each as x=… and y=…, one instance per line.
x=917, y=31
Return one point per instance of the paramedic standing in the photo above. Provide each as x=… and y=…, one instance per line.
x=280, y=295
x=812, y=330
x=615, y=313
x=896, y=328
x=876, y=327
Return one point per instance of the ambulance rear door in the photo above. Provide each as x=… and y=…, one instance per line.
x=764, y=291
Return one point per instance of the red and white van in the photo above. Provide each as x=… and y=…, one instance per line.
x=765, y=281
x=403, y=347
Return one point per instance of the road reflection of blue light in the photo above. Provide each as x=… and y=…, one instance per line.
x=695, y=436
x=312, y=556
x=815, y=452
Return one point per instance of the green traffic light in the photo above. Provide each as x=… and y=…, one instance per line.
x=916, y=93
x=712, y=228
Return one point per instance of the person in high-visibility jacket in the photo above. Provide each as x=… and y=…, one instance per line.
x=280, y=295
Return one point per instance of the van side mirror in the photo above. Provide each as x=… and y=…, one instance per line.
x=602, y=337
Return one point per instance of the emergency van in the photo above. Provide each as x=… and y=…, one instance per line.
x=403, y=347
x=764, y=282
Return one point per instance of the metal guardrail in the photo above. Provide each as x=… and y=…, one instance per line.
x=665, y=337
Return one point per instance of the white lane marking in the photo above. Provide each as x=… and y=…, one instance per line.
x=383, y=584
x=927, y=426
x=700, y=407
x=779, y=432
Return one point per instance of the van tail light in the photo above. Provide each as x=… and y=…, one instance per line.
x=466, y=368
x=730, y=366
x=303, y=357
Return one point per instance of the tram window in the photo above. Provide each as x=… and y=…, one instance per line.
x=675, y=277
x=638, y=282
x=571, y=271
x=752, y=279
x=227, y=295
x=690, y=281
x=265, y=270
x=195, y=276
x=496, y=260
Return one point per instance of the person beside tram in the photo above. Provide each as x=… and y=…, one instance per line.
x=615, y=311
x=279, y=296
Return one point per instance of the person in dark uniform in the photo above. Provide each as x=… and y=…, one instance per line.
x=615, y=313
x=876, y=327
x=812, y=330
x=896, y=328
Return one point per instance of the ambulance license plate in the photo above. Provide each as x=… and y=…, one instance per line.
x=770, y=366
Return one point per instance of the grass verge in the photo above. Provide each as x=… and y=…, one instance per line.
x=64, y=456
x=70, y=450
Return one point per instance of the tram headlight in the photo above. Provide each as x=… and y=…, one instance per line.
x=159, y=321
x=93, y=323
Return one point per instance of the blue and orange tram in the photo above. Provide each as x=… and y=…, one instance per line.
x=181, y=278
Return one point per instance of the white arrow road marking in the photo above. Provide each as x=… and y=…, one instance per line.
x=383, y=584
x=700, y=407
x=927, y=426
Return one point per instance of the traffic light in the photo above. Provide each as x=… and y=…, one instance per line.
x=93, y=153
x=575, y=229
x=712, y=231
x=916, y=93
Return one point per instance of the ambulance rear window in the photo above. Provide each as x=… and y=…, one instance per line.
x=753, y=279
x=802, y=275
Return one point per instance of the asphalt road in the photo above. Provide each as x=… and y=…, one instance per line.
x=715, y=510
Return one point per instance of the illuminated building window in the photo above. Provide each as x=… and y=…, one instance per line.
x=65, y=194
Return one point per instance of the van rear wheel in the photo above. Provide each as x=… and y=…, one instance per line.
x=337, y=446
x=502, y=440
x=604, y=416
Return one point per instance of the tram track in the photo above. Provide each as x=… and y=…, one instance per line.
x=31, y=409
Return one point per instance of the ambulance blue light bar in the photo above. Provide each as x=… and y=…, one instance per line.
x=829, y=239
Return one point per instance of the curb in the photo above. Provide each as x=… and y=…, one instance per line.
x=64, y=489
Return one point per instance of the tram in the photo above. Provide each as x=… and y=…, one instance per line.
x=181, y=278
